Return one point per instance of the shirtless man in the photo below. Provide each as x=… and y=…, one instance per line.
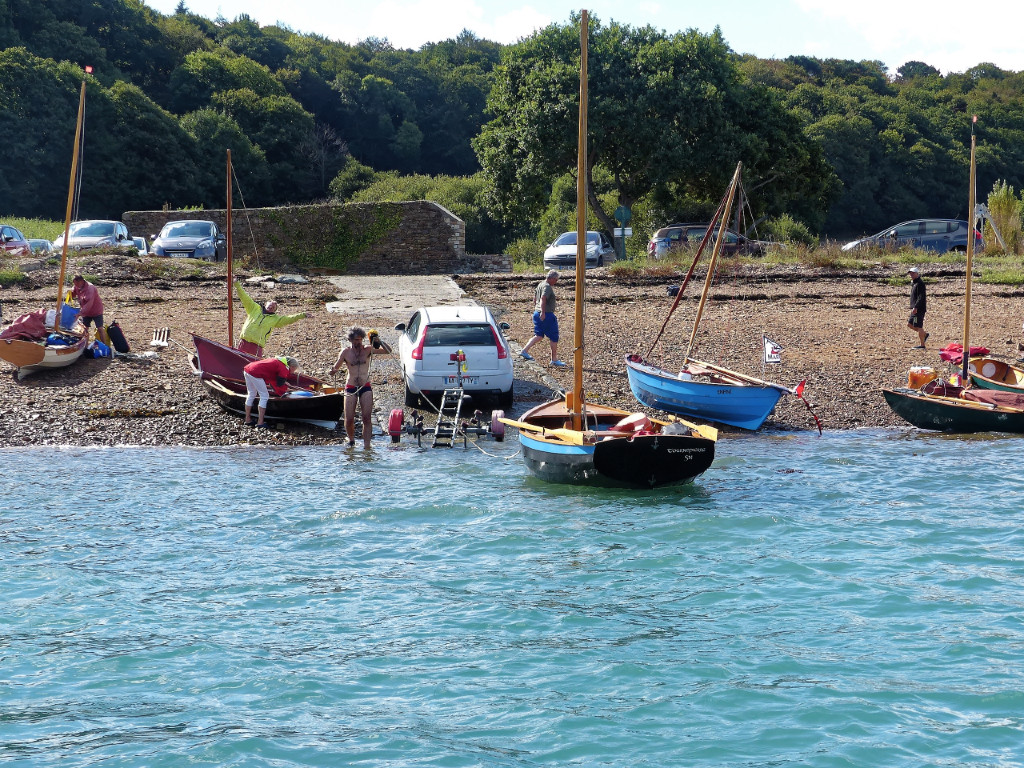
x=356, y=358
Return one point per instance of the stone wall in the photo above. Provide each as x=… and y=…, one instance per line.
x=414, y=238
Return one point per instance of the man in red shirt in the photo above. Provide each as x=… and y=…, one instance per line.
x=262, y=376
x=91, y=305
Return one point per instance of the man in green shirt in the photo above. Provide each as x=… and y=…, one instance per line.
x=260, y=321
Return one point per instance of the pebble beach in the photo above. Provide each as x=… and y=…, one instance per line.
x=844, y=334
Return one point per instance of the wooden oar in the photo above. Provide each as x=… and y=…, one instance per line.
x=972, y=403
x=572, y=436
x=741, y=376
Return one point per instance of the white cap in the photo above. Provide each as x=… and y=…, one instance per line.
x=915, y=270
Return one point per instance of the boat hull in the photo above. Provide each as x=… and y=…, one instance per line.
x=738, y=405
x=987, y=373
x=322, y=409
x=220, y=369
x=30, y=357
x=948, y=415
x=627, y=461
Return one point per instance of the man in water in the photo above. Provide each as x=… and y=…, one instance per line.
x=545, y=323
x=918, y=306
x=356, y=358
x=260, y=320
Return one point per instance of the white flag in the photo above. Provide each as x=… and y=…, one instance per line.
x=772, y=351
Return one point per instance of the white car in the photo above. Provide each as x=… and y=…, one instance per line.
x=430, y=343
x=562, y=253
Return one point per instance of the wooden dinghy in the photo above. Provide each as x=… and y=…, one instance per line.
x=219, y=368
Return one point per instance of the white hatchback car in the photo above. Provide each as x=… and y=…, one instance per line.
x=431, y=341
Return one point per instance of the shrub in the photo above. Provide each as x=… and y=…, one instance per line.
x=527, y=255
x=1005, y=211
x=786, y=229
x=12, y=277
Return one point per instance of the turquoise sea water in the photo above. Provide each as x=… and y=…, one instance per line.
x=854, y=600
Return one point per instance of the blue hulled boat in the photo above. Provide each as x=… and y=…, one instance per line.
x=717, y=395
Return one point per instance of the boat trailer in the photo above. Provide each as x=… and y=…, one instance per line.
x=449, y=425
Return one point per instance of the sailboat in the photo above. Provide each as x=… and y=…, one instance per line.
x=569, y=440
x=29, y=345
x=951, y=407
x=220, y=367
x=702, y=389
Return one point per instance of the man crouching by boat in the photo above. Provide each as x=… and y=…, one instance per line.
x=260, y=320
x=356, y=358
x=262, y=377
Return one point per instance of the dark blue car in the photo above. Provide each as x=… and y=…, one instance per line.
x=939, y=235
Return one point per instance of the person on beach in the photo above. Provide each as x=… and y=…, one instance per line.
x=918, y=306
x=91, y=305
x=260, y=320
x=356, y=358
x=262, y=377
x=545, y=323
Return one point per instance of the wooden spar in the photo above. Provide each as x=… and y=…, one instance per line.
x=714, y=255
x=71, y=199
x=738, y=375
x=231, y=304
x=970, y=266
x=575, y=402
x=689, y=274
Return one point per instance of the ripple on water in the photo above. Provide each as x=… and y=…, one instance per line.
x=849, y=600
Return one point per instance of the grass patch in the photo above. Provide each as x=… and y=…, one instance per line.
x=12, y=277
x=36, y=228
x=1000, y=270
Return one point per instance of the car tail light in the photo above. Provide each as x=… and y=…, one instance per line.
x=417, y=352
x=502, y=352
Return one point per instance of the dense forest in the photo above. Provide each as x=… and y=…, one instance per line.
x=841, y=147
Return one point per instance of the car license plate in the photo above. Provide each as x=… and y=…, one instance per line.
x=179, y=254
x=465, y=380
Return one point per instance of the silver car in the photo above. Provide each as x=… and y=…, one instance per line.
x=561, y=253
x=98, y=233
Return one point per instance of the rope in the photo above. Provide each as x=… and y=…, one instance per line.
x=248, y=221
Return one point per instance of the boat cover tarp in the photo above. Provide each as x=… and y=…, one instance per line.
x=995, y=397
x=28, y=327
x=954, y=353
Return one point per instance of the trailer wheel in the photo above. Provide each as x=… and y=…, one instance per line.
x=497, y=428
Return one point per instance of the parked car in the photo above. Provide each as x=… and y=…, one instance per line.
x=192, y=239
x=12, y=242
x=83, y=235
x=562, y=252
x=939, y=235
x=140, y=245
x=41, y=246
x=683, y=236
x=430, y=341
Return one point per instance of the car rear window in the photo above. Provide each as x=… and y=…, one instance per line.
x=459, y=335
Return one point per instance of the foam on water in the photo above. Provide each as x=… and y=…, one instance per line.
x=850, y=600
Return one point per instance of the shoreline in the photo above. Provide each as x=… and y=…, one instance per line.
x=845, y=335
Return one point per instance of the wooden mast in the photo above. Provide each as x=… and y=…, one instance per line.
x=231, y=305
x=71, y=199
x=970, y=267
x=714, y=255
x=575, y=400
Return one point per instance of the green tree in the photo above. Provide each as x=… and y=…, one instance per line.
x=667, y=114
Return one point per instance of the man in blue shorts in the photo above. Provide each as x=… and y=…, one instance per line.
x=545, y=324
